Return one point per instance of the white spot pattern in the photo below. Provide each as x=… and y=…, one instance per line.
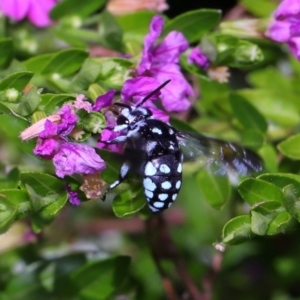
x=158, y=204
x=148, y=194
x=174, y=197
x=171, y=131
x=157, y=130
x=166, y=185
x=150, y=170
x=179, y=168
x=149, y=184
x=124, y=170
x=178, y=184
x=162, y=197
x=164, y=169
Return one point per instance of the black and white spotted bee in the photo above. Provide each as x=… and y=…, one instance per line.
x=155, y=150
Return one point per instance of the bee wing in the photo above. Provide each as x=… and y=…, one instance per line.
x=221, y=156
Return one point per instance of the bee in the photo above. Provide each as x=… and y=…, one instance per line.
x=155, y=150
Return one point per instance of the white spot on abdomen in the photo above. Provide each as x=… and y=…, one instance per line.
x=174, y=197
x=178, y=184
x=150, y=170
x=149, y=184
x=148, y=193
x=166, y=185
x=162, y=197
x=164, y=169
x=179, y=168
x=158, y=204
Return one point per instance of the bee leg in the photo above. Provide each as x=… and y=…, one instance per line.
x=119, y=139
x=122, y=176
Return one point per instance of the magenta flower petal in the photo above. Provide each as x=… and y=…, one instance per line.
x=108, y=135
x=169, y=50
x=136, y=89
x=286, y=26
x=15, y=9
x=279, y=31
x=287, y=7
x=68, y=120
x=77, y=158
x=50, y=129
x=104, y=100
x=46, y=148
x=73, y=195
x=39, y=12
x=198, y=58
x=294, y=44
x=156, y=27
x=175, y=94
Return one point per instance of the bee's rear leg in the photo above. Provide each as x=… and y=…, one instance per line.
x=122, y=176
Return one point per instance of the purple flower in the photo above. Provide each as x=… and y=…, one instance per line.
x=286, y=25
x=161, y=62
x=68, y=158
x=73, y=195
x=198, y=58
x=36, y=11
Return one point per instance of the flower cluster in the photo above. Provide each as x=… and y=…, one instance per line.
x=286, y=25
x=36, y=11
x=161, y=63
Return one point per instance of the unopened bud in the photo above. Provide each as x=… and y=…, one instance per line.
x=94, y=122
x=12, y=95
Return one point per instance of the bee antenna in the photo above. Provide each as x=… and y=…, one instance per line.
x=153, y=93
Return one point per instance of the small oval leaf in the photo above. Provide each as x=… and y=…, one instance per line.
x=255, y=191
x=194, y=24
x=237, y=230
x=290, y=147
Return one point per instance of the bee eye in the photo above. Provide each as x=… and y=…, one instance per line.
x=122, y=120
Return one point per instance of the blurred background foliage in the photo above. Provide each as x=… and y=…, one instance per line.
x=53, y=250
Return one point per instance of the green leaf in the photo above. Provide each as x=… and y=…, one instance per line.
x=273, y=105
x=281, y=180
x=269, y=156
x=7, y=217
x=135, y=23
x=6, y=52
x=292, y=200
x=50, y=103
x=194, y=24
x=290, y=147
x=76, y=7
x=37, y=63
x=252, y=138
x=279, y=223
x=247, y=114
x=29, y=102
x=255, y=191
x=260, y=8
x=237, y=230
x=42, y=184
x=128, y=203
x=65, y=62
x=47, y=213
x=259, y=223
x=17, y=81
x=215, y=189
x=113, y=161
x=99, y=279
x=110, y=32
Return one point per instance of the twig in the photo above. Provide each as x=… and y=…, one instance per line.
x=162, y=247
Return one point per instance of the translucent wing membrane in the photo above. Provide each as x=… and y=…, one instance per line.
x=219, y=155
